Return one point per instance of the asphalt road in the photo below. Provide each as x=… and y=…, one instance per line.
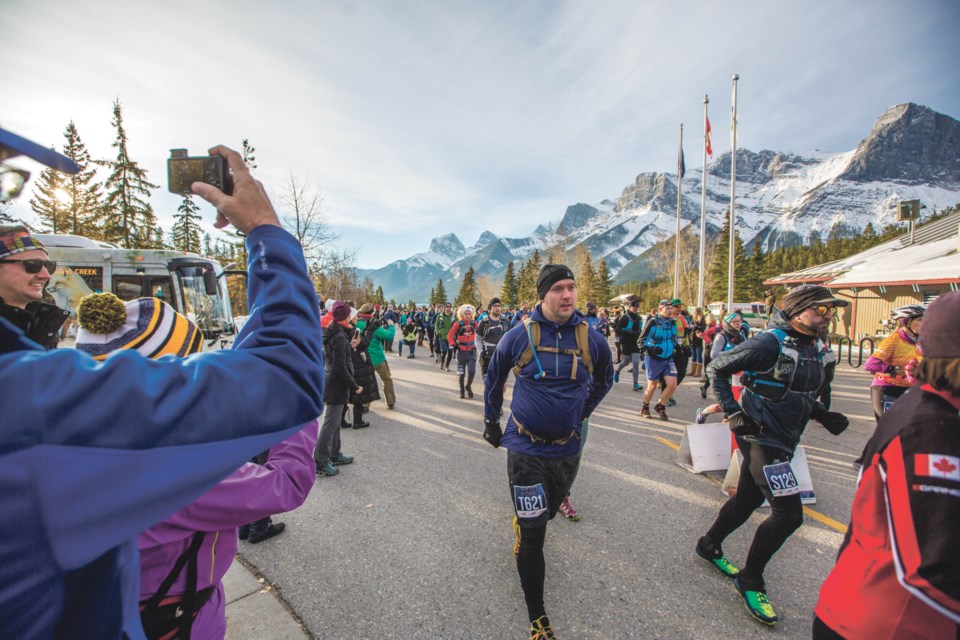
x=413, y=540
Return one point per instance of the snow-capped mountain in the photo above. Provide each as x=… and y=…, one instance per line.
x=912, y=152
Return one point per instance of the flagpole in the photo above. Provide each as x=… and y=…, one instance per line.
x=676, y=255
x=733, y=193
x=703, y=207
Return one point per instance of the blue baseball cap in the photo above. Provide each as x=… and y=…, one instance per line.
x=13, y=145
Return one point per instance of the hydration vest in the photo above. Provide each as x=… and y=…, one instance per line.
x=467, y=335
x=776, y=382
x=662, y=334
x=532, y=329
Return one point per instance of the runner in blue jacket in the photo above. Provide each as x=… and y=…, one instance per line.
x=95, y=452
x=553, y=396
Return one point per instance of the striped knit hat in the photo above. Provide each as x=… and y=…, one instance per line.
x=149, y=326
x=18, y=240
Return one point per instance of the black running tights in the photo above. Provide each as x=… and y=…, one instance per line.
x=786, y=514
x=531, y=567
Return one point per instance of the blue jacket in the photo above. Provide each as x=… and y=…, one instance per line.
x=92, y=453
x=554, y=405
x=782, y=422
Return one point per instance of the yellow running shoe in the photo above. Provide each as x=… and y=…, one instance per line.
x=540, y=629
x=516, y=533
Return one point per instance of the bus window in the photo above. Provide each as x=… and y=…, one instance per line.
x=128, y=287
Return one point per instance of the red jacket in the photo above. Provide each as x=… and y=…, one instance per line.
x=898, y=571
x=463, y=335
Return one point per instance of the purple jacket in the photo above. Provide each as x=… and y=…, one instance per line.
x=249, y=493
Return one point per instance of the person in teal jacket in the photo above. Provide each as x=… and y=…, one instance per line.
x=384, y=332
x=445, y=320
x=93, y=452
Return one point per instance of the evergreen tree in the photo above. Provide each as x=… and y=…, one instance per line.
x=718, y=269
x=186, y=227
x=83, y=192
x=433, y=295
x=528, y=279
x=207, y=245
x=508, y=291
x=585, y=275
x=47, y=202
x=128, y=190
x=603, y=284
x=248, y=158
x=469, y=291
x=440, y=296
x=379, y=297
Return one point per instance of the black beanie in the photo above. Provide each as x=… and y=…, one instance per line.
x=492, y=302
x=551, y=274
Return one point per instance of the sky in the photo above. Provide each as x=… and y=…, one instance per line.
x=414, y=119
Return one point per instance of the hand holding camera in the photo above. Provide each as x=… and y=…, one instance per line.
x=245, y=207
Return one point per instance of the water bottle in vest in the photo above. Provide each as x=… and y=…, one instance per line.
x=787, y=361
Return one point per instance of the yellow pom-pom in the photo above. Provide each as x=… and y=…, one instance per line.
x=101, y=313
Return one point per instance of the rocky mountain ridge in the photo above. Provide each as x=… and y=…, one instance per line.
x=782, y=199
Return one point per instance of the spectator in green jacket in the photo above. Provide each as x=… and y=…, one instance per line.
x=442, y=328
x=378, y=359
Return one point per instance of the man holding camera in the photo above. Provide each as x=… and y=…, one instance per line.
x=783, y=372
x=93, y=452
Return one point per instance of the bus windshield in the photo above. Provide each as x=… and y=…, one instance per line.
x=210, y=312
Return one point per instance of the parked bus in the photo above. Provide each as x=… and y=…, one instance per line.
x=192, y=284
x=755, y=313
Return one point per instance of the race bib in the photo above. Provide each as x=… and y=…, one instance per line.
x=530, y=501
x=781, y=480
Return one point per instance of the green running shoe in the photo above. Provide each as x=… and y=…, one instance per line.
x=715, y=556
x=540, y=629
x=757, y=604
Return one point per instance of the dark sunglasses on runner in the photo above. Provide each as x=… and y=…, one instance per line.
x=34, y=266
x=822, y=310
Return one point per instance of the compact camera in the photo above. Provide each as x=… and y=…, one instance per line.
x=183, y=171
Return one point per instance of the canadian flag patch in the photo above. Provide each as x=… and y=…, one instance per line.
x=936, y=465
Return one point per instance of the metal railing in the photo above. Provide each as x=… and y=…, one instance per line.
x=860, y=349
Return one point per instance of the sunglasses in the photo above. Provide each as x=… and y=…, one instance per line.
x=822, y=310
x=34, y=266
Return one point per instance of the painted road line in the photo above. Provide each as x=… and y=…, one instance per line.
x=816, y=515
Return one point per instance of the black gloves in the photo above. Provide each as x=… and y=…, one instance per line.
x=834, y=422
x=492, y=432
x=742, y=425
x=654, y=351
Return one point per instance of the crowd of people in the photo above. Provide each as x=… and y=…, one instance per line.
x=119, y=549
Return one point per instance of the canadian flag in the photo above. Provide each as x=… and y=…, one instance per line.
x=709, y=146
x=936, y=465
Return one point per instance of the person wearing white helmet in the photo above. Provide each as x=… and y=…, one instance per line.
x=889, y=363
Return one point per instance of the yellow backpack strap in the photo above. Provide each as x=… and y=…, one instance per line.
x=532, y=330
x=583, y=346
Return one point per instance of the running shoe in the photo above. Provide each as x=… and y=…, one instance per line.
x=568, y=511
x=672, y=402
x=701, y=416
x=540, y=629
x=757, y=604
x=340, y=459
x=703, y=391
x=661, y=411
x=636, y=387
x=714, y=555
x=327, y=469
x=516, y=535
x=616, y=376
x=645, y=411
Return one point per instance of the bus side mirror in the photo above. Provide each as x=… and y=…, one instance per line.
x=210, y=282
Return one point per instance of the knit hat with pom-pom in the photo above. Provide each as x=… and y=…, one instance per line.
x=149, y=326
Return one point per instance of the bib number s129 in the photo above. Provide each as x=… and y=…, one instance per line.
x=530, y=501
x=781, y=479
